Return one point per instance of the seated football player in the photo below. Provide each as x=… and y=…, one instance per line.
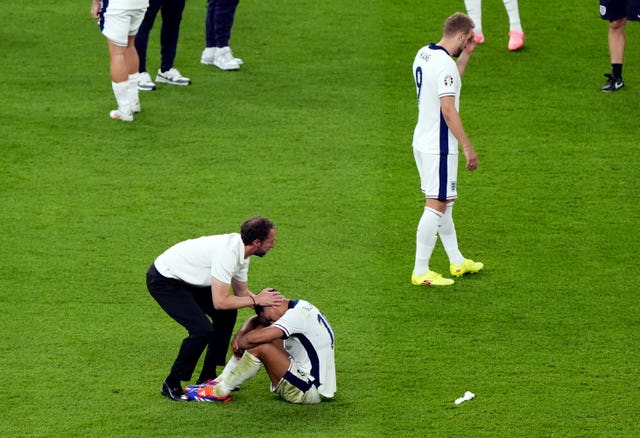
x=295, y=343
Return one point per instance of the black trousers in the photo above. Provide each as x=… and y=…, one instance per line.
x=189, y=306
x=218, y=22
x=171, y=11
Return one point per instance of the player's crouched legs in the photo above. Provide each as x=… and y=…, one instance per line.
x=296, y=386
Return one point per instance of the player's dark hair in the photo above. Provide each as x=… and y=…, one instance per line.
x=255, y=228
x=258, y=308
x=457, y=22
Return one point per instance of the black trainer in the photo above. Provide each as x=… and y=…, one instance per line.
x=175, y=394
x=613, y=83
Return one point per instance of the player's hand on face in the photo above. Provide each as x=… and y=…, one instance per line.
x=269, y=297
x=471, y=43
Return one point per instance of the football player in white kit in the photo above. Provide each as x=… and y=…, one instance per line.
x=435, y=146
x=295, y=343
x=119, y=21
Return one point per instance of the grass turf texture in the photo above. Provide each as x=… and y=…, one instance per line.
x=315, y=132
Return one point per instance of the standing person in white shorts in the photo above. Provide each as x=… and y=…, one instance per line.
x=435, y=147
x=295, y=343
x=119, y=22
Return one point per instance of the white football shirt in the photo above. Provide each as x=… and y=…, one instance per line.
x=195, y=261
x=310, y=342
x=436, y=75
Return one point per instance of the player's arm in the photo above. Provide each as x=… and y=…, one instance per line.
x=454, y=122
x=250, y=324
x=242, y=296
x=259, y=336
x=224, y=300
x=463, y=59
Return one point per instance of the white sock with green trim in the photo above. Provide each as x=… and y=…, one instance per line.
x=231, y=364
x=247, y=367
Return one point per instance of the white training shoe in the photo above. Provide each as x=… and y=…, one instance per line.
x=209, y=55
x=224, y=59
x=145, y=83
x=173, y=77
x=121, y=115
x=135, y=107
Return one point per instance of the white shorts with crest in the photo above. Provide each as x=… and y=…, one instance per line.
x=119, y=24
x=438, y=175
x=297, y=386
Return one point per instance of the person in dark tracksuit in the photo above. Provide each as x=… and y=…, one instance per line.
x=220, y=16
x=171, y=11
x=193, y=279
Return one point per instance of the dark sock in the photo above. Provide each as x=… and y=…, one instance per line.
x=616, y=70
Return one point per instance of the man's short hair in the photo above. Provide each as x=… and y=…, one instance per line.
x=457, y=22
x=255, y=228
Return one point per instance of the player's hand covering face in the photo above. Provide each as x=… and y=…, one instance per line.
x=467, y=43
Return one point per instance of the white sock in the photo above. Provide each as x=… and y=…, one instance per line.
x=121, y=91
x=246, y=368
x=210, y=51
x=426, y=238
x=133, y=88
x=448, y=237
x=231, y=364
x=474, y=10
x=514, y=14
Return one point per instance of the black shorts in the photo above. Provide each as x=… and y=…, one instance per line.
x=616, y=9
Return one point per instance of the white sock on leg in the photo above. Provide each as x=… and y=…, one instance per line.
x=231, y=364
x=120, y=90
x=448, y=236
x=246, y=368
x=514, y=14
x=132, y=86
x=474, y=10
x=426, y=238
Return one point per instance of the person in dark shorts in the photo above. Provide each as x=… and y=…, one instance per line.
x=617, y=13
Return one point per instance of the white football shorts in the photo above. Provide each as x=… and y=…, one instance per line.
x=297, y=387
x=438, y=175
x=118, y=24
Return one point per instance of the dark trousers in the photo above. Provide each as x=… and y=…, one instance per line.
x=189, y=306
x=171, y=11
x=220, y=14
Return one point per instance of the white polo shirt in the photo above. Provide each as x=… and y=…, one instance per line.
x=310, y=342
x=436, y=75
x=195, y=261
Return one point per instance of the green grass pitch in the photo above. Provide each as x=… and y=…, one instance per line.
x=315, y=132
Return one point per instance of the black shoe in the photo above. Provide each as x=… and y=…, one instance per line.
x=613, y=83
x=175, y=394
